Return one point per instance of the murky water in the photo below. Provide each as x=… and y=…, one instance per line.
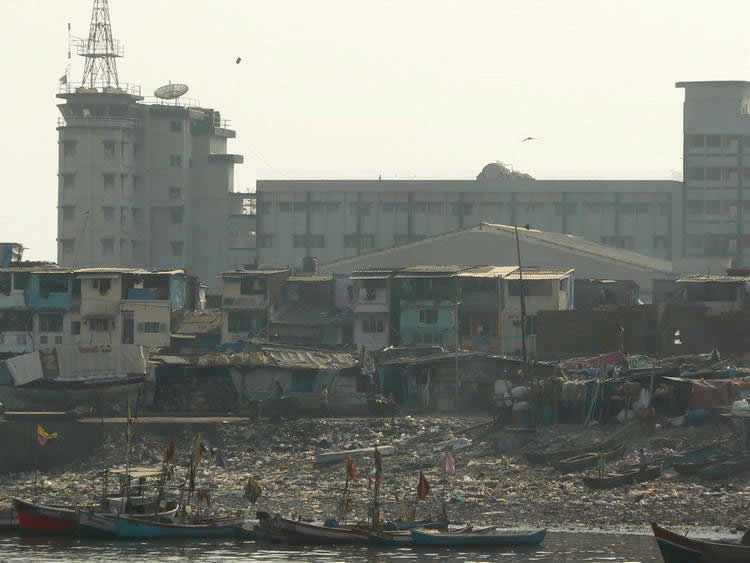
x=558, y=547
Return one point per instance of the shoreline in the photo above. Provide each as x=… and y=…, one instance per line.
x=489, y=487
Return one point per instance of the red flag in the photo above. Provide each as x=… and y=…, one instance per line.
x=378, y=462
x=449, y=463
x=423, y=487
x=169, y=455
x=351, y=468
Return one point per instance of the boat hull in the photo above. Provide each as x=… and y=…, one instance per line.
x=280, y=529
x=619, y=479
x=495, y=539
x=40, y=520
x=127, y=528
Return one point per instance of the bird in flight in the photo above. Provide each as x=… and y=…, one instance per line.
x=239, y=59
x=528, y=139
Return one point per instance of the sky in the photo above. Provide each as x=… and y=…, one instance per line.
x=393, y=88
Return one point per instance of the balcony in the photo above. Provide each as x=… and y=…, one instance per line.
x=99, y=121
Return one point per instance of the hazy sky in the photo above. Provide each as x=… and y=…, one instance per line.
x=402, y=89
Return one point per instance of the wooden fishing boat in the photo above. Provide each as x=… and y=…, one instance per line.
x=676, y=548
x=129, y=527
x=554, y=452
x=589, y=459
x=102, y=524
x=726, y=469
x=494, y=538
x=694, y=466
x=438, y=522
x=45, y=520
x=611, y=480
x=403, y=537
x=278, y=529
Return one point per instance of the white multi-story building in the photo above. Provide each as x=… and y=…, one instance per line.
x=715, y=220
x=334, y=219
x=146, y=183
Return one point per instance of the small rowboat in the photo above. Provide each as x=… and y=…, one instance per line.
x=676, y=548
x=494, y=538
x=611, y=480
x=278, y=529
x=403, y=537
x=589, y=459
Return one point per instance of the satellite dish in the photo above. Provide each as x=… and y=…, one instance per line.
x=170, y=91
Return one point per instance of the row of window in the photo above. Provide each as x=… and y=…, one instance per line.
x=176, y=214
x=108, y=183
x=727, y=143
x=723, y=174
x=560, y=208
x=368, y=241
x=107, y=247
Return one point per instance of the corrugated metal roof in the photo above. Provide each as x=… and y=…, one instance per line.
x=199, y=322
x=250, y=273
x=714, y=279
x=284, y=358
x=540, y=274
x=488, y=272
x=135, y=271
x=310, y=278
x=427, y=269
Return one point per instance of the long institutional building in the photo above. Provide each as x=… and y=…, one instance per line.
x=697, y=224
x=150, y=184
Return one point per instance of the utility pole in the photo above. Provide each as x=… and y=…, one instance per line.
x=523, y=300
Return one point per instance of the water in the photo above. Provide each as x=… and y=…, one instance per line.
x=558, y=547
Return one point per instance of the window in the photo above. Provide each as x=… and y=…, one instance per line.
x=50, y=322
x=68, y=212
x=102, y=284
x=314, y=241
x=695, y=173
x=713, y=141
x=98, y=325
x=137, y=215
x=68, y=181
x=428, y=316
x=109, y=180
x=123, y=215
x=695, y=141
x=462, y=208
x=136, y=185
x=359, y=241
x=634, y=208
x=108, y=213
x=240, y=321
x=177, y=247
x=176, y=214
x=136, y=248
x=75, y=328
x=69, y=148
x=175, y=160
x=530, y=325
x=360, y=208
x=108, y=246
x=151, y=327
x=661, y=242
x=252, y=286
x=265, y=241
x=175, y=126
x=372, y=324
x=67, y=245
x=285, y=207
x=52, y=283
x=713, y=173
x=565, y=208
x=109, y=149
x=136, y=147
x=175, y=192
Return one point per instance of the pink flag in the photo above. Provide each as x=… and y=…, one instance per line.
x=449, y=463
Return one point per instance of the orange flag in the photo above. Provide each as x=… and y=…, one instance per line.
x=423, y=487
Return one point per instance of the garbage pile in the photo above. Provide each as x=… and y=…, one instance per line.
x=487, y=485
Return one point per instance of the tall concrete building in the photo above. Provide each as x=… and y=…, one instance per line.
x=714, y=225
x=145, y=183
x=334, y=219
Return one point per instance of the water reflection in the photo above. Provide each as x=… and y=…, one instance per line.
x=558, y=547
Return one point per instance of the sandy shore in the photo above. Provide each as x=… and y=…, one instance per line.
x=490, y=486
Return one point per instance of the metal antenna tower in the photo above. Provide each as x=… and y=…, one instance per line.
x=100, y=50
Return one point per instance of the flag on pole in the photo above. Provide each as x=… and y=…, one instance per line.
x=64, y=78
x=449, y=463
x=351, y=468
x=423, y=487
x=42, y=436
x=252, y=490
